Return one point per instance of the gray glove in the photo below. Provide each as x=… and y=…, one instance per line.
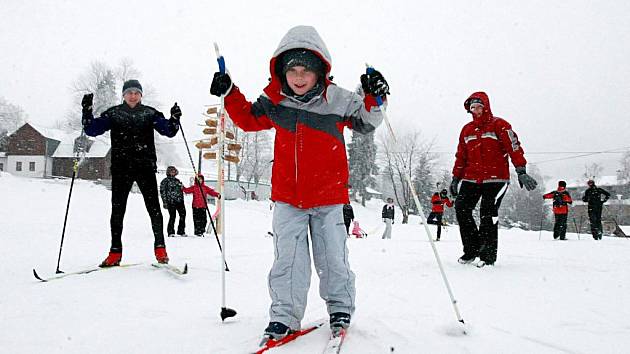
x=525, y=180
x=454, y=185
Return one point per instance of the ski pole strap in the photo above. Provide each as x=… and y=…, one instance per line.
x=369, y=70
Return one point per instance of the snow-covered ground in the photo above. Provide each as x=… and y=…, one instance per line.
x=543, y=296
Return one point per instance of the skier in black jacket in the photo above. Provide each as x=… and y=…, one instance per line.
x=595, y=197
x=173, y=200
x=133, y=159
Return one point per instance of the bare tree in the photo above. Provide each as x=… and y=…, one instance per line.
x=256, y=157
x=11, y=118
x=592, y=171
x=410, y=157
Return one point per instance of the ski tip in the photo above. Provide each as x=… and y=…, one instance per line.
x=37, y=276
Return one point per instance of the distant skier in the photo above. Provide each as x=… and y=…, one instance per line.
x=388, y=218
x=481, y=165
x=200, y=203
x=348, y=216
x=561, y=200
x=310, y=172
x=595, y=197
x=133, y=159
x=173, y=201
x=437, y=210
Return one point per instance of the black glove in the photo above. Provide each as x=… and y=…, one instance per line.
x=176, y=112
x=87, y=101
x=374, y=84
x=221, y=84
x=219, y=196
x=525, y=180
x=454, y=186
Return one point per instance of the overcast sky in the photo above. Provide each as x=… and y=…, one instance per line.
x=559, y=73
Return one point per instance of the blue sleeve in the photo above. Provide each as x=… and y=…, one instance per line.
x=99, y=125
x=166, y=127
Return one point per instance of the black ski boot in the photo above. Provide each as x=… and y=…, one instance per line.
x=339, y=321
x=276, y=331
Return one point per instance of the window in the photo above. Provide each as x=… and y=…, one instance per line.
x=18, y=166
x=31, y=166
x=1, y=167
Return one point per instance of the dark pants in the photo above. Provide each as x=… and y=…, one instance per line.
x=595, y=218
x=173, y=210
x=200, y=219
x=560, y=227
x=121, y=186
x=436, y=219
x=347, y=223
x=482, y=241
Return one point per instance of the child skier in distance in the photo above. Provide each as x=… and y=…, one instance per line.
x=310, y=172
x=173, y=200
x=437, y=210
x=200, y=203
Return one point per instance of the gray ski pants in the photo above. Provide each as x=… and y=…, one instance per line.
x=290, y=275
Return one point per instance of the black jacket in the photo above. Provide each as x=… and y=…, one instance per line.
x=595, y=196
x=348, y=213
x=388, y=213
x=171, y=191
x=133, y=144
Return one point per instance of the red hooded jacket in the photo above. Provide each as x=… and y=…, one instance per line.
x=198, y=199
x=437, y=203
x=484, y=147
x=561, y=193
x=310, y=166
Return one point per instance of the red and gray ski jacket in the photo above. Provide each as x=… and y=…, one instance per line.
x=561, y=200
x=310, y=167
x=484, y=147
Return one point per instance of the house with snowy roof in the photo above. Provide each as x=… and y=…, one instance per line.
x=35, y=151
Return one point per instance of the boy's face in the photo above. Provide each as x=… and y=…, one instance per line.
x=132, y=98
x=300, y=79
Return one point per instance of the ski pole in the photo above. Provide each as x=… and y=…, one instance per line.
x=225, y=311
x=580, y=229
x=75, y=169
x=542, y=214
x=379, y=100
x=192, y=163
x=576, y=229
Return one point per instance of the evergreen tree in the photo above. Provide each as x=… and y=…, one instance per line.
x=362, y=157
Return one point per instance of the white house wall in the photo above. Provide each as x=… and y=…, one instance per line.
x=41, y=162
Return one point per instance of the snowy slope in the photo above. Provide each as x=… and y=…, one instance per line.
x=542, y=296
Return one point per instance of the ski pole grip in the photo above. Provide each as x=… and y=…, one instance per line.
x=221, y=62
x=369, y=70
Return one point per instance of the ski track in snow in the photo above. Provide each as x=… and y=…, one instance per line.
x=541, y=297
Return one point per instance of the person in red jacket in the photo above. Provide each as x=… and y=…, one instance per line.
x=561, y=200
x=200, y=203
x=481, y=166
x=437, y=210
x=309, y=181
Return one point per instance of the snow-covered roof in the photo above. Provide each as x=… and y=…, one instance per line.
x=372, y=191
x=99, y=148
x=52, y=133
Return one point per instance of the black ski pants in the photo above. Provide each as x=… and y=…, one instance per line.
x=560, y=227
x=347, y=223
x=595, y=219
x=436, y=219
x=200, y=219
x=121, y=186
x=173, y=210
x=482, y=241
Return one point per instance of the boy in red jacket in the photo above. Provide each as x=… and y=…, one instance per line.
x=481, y=165
x=437, y=210
x=200, y=203
x=561, y=200
x=310, y=172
